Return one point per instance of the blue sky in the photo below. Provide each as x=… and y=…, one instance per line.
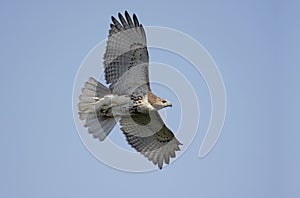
x=254, y=43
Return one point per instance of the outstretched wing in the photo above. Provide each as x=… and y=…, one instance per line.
x=148, y=134
x=126, y=52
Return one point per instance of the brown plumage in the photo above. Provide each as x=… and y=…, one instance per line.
x=153, y=99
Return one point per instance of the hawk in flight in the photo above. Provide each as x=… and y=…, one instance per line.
x=128, y=98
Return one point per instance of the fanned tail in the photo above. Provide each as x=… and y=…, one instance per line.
x=98, y=125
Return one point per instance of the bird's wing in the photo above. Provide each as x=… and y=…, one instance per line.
x=148, y=134
x=126, y=54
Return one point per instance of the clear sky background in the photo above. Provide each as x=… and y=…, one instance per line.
x=254, y=43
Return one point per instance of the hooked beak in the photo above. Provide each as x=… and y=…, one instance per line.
x=169, y=104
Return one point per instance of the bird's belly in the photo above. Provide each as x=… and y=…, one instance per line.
x=120, y=110
x=114, y=105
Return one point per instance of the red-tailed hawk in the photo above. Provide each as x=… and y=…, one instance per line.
x=128, y=99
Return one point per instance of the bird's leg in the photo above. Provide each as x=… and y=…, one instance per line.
x=104, y=103
x=112, y=103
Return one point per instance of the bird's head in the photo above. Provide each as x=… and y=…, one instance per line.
x=162, y=103
x=157, y=102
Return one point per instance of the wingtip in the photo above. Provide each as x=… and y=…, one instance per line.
x=134, y=16
x=136, y=21
x=160, y=165
x=113, y=18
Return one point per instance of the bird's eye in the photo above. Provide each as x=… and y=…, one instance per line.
x=164, y=101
